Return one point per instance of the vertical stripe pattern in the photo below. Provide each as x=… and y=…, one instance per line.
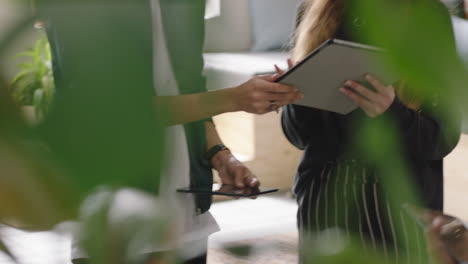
x=379, y=220
x=347, y=196
x=405, y=233
x=393, y=232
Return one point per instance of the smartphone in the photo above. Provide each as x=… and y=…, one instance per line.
x=229, y=190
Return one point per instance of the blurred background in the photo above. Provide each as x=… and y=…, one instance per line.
x=243, y=38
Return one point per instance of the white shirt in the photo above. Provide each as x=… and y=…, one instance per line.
x=177, y=170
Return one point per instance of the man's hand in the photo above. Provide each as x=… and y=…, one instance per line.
x=232, y=171
x=261, y=95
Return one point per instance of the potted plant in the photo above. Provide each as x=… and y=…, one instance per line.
x=34, y=85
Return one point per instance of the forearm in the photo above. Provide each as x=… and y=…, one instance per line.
x=254, y=96
x=230, y=170
x=212, y=136
x=183, y=109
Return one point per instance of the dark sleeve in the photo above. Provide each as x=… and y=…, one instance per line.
x=433, y=132
x=430, y=134
x=297, y=123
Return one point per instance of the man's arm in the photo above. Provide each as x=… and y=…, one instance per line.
x=187, y=108
x=254, y=96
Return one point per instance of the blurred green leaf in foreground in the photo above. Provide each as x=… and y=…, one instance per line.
x=100, y=130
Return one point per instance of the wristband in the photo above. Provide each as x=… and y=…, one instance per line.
x=212, y=151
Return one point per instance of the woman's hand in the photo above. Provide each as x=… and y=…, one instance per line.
x=448, y=238
x=233, y=172
x=374, y=103
x=437, y=247
x=280, y=72
x=261, y=95
x=454, y=234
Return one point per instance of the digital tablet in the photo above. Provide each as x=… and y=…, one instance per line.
x=320, y=75
x=229, y=190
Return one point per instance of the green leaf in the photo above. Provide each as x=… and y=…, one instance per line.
x=38, y=97
x=35, y=72
x=29, y=53
x=37, y=51
x=19, y=76
x=25, y=66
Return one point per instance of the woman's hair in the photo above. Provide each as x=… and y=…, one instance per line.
x=319, y=20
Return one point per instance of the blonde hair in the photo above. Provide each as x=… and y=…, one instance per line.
x=319, y=21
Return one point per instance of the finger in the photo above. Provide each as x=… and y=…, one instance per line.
x=267, y=81
x=246, y=192
x=453, y=231
x=362, y=90
x=380, y=87
x=267, y=77
x=276, y=76
x=252, y=181
x=285, y=97
x=278, y=73
x=254, y=190
x=361, y=101
x=249, y=192
x=437, y=224
x=239, y=176
x=268, y=107
x=290, y=63
x=278, y=70
x=227, y=188
x=280, y=88
x=267, y=84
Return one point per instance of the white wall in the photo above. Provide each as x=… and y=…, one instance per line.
x=231, y=30
x=8, y=13
x=11, y=12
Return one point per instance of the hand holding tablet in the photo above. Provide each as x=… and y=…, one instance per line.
x=321, y=74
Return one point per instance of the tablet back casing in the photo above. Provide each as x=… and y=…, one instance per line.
x=324, y=71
